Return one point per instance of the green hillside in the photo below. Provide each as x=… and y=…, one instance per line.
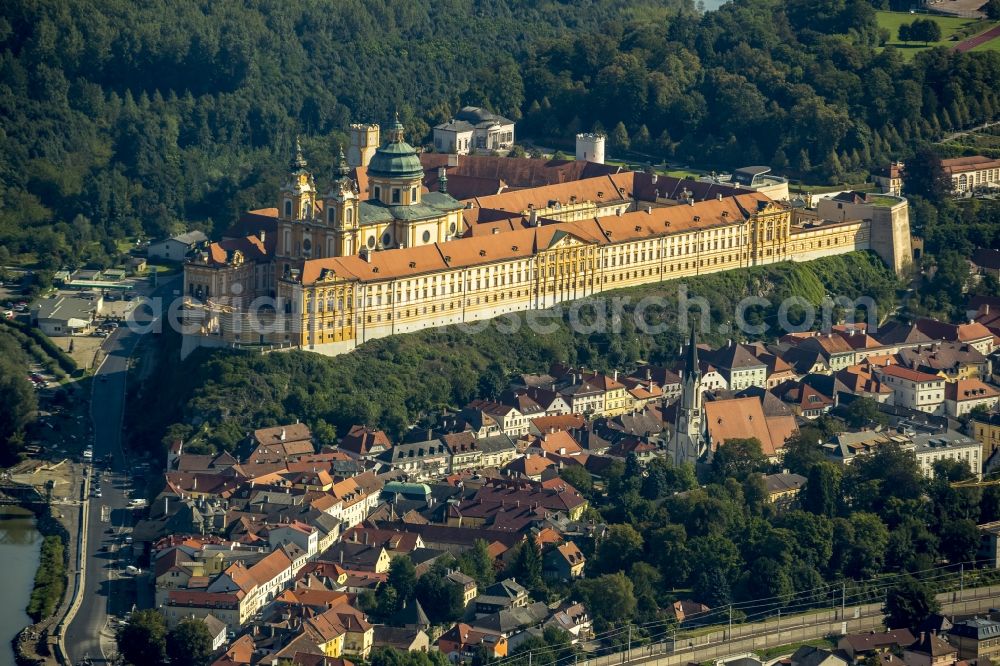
x=392, y=382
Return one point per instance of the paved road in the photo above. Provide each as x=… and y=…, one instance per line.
x=105, y=590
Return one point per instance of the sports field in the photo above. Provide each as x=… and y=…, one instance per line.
x=953, y=31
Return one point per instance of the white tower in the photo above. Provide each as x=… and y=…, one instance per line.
x=590, y=147
x=364, y=143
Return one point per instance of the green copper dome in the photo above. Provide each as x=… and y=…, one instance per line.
x=396, y=159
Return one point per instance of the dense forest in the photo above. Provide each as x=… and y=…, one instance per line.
x=124, y=119
x=216, y=398
x=17, y=396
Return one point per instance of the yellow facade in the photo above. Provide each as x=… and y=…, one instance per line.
x=331, y=306
x=617, y=401
x=987, y=433
x=333, y=647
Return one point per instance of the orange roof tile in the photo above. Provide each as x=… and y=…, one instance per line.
x=969, y=389
x=908, y=374
x=524, y=243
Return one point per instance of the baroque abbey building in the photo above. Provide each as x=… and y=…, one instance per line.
x=372, y=252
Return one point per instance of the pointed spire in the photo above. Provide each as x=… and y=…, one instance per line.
x=691, y=365
x=298, y=162
x=342, y=169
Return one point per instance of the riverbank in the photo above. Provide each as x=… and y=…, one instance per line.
x=31, y=644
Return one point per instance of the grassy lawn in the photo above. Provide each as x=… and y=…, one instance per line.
x=992, y=45
x=880, y=200
x=953, y=30
x=820, y=189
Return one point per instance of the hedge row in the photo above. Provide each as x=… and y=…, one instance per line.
x=65, y=361
x=50, y=580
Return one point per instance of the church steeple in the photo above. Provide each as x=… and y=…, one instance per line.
x=296, y=207
x=396, y=130
x=687, y=442
x=298, y=162
x=342, y=170
x=692, y=367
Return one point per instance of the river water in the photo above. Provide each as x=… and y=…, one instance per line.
x=20, y=544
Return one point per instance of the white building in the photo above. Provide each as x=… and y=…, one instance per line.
x=971, y=173
x=66, y=315
x=947, y=446
x=306, y=537
x=964, y=395
x=474, y=129
x=175, y=248
x=914, y=389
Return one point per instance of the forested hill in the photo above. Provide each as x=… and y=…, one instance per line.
x=122, y=118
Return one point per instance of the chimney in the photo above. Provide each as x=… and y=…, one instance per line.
x=653, y=178
x=616, y=374
x=282, y=436
x=719, y=196
x=495, y=231
x=262, y=235
x=649, y=210
x=532, y=218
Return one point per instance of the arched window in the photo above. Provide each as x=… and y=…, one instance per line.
x=378, y=192
x=288, y=208
x=329, y=215
x=350, y=215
